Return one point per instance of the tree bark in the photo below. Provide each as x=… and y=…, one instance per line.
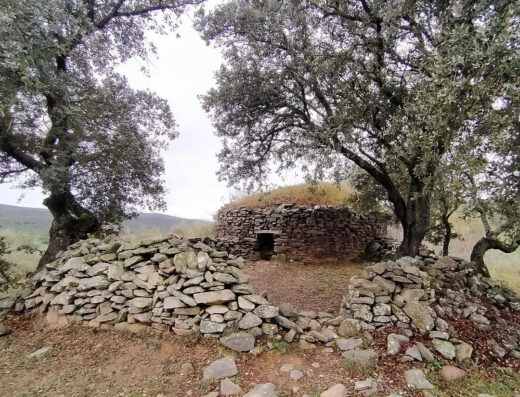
x=447, y=236
x=415, y=223
x=71, y=223
x=485, y=244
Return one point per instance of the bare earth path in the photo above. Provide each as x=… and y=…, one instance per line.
x=89, y=362
x=308, y=286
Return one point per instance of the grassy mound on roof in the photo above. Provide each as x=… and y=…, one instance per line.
x=323, y=193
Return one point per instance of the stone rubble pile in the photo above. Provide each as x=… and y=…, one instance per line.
x=169, y=283
x=419, y=293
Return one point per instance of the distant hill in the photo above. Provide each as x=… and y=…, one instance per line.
x=25, y=219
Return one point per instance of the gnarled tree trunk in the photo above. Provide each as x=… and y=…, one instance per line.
x=71, y=223
x=415, y=223
x=488, y=243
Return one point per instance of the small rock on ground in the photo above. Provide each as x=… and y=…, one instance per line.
x=187, y=368
x=366, y=384
x=451, y=373
x=262, y=390
x=416, y=379
x=296, y=374
x=240, y=342
x=228, y=388
x=4, y=330
x=220, y=369
x=40, y=352
x=338, y=390
x=286, y=367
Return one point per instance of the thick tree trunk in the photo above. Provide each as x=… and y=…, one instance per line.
x=485, y=244
x=71, y=223
x=415, y=223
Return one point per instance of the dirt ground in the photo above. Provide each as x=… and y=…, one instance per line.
x=308, y=286
x=91, y=362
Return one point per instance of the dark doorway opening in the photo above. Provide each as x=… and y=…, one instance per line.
x=265, y=245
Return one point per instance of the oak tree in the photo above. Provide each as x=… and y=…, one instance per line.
x=69, y=122
x=389, y=86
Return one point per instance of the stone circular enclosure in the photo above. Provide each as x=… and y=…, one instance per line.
x=316, y=232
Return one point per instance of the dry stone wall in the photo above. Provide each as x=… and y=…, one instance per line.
x=416, y=291
x=168, y=283
x=198, y=286
x=318, y=231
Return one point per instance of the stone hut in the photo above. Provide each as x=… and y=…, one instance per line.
x=298, y=231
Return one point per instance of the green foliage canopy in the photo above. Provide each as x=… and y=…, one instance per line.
x=69, y=122
x=391, y=86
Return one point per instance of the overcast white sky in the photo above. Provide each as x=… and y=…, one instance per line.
x=183, y=70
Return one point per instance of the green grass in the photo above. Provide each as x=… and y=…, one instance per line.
x=280, y=345
x=498, y=382
x=357, y=369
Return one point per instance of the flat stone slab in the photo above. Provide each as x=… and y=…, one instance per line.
x=228, y=388
x=349, y=344
x=337, y=390
x=40, y=352
x=262, y=390
x=296, y=374
x=220, y=369
x=366, y=358
x=239, y=342
x=415, y=379
x=214, y=297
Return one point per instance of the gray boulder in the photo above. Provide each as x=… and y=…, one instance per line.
x=250, y=320
x=394, y=342
x=415, y=379
x=349, y=344
x=262, y=390
x=445, y=348
x=240, y=342
x=366, y=358
x=419, y=312
x=220, y=369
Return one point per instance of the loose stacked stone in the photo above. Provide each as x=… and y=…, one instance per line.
x=415, y=291
x=318, y=231
x=169, y=283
